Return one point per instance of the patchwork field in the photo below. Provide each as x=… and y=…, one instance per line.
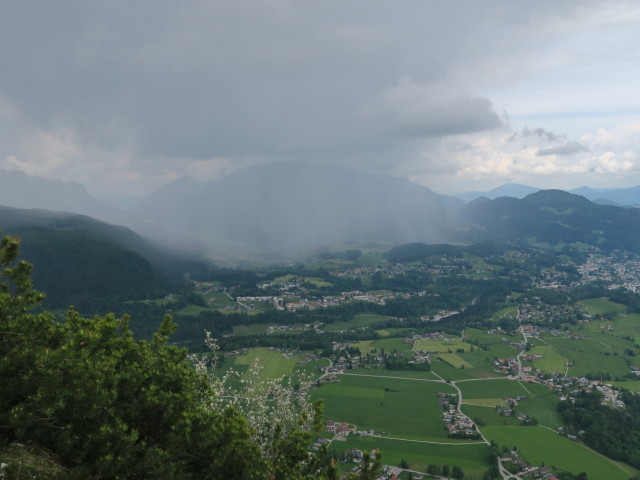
x=539, y=445
x=441, y=346
x=218, y=299
x=388, y=344
x=631, y=385
x=381, y=371
x=544, y=409
x=472, y=458
x=272, y=363
x=503, y=350
x=589, y=357
x=454, y=360
x=394, y=331
x=491, y=389
x=511, y=312
x=191, y=310
x=598, y=306
x=449, y=372
x=487, y=415
x=474, y=335
x=551, y=361
x=357, y=321
x=400, y=408
x=255, y=329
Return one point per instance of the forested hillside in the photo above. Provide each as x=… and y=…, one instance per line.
x=83, y=261
x=106, y=406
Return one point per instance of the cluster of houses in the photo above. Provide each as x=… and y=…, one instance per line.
x=507, y=408
x=534, y=310
x=439, y=316
x=507, y=365
x=288, y=328
x=527, y=470
x=438, y=336
x=339, y=428
x=241, y=351
x=455, y=422
x=621, y=273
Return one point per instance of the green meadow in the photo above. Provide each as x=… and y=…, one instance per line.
x=388, y=344
x=473, y=458
x=598, y=306
x=544, y=409
x=358, y=321
x=191, y=310
x=491, y=389
x=449, y=372
x=482, y=337
x=272, y=363
x=511, y=312
x=503, y=350
x=401, y=408
x=383, y=372
x=441, y=346
x=589, y=357
x=454, y=360
x=219, y=299
x=631, y=385
x=539, y=445
x=551, y=360
x=255, y=329
x=487, y=415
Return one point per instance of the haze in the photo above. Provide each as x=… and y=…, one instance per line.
x=124, y=97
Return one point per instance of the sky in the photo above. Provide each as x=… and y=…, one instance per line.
x=125, y=96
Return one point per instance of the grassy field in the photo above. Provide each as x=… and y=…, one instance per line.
x=550, y=362
x=499, y=388
x=471, y=457
x=487, y=415
x=191, y=310
x=543, y=408
x=503, y=350
x=441, y=346
x=539, y=445
x=482, y=337
x=317, y=282
x=389, y=345
x=511, y=312
x=255, y=329
x=272, y=363
x=218, y=299
x=403, y=408
x=597, y=306
x=358, y=321
x=589, y=357
x=380, y=371
x=455, y=361
x=479, y=359
x=448, y=372
x=394, y=331
x=484, y=402
x=631, y=385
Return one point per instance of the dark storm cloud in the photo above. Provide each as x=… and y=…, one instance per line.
x=566, y=149
x=168, y=83
x=196, y=79
x=539, y=133
x=412, y=110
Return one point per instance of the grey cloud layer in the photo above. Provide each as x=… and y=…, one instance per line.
x=192, y=79
x=172, y=82
x=568, y=148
